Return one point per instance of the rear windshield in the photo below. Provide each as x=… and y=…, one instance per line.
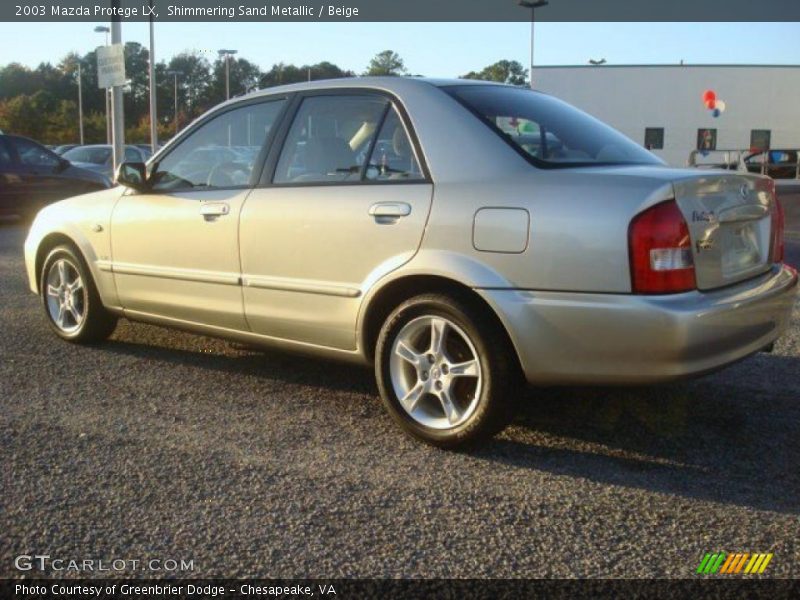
x=547, y=131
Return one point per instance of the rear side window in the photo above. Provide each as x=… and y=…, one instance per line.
x=393, y=156
x=330, y=139
x=547, y=131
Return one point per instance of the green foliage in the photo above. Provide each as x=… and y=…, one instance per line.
x=384, y=63
x=504, y=71
x=42, y=102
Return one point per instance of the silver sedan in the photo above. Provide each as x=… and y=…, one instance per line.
x=463, y=237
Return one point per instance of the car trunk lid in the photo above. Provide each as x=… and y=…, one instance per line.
x=730, y=225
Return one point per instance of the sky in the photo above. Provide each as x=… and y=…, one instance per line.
x=431, y=49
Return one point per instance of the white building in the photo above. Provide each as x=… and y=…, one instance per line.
x=665, y=103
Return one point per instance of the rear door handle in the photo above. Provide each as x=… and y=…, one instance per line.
x=214, y=209
x=392, y=210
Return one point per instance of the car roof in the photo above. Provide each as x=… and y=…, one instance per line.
x=396, y=85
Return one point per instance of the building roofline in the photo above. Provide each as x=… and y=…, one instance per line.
x=670, y=65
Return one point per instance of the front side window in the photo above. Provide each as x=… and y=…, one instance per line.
x=221, y=153
x=34, y=155
x=547, y=131
x=330, y=139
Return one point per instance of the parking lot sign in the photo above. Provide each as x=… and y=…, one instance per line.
x=110, y=66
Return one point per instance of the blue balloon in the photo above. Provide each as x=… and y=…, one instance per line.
x=716, y=112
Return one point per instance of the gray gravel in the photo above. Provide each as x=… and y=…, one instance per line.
x=160, y=444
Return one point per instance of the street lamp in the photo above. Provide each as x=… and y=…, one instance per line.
x=533, y=5
x=106, y=30
x=175, y=74
x=80, y=104
x=151, y=76
x=227, y=54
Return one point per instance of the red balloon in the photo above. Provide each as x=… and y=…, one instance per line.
x=709, y=95
x=711, y=104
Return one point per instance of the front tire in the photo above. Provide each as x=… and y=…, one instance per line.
x=445, y=371
x=70, y=299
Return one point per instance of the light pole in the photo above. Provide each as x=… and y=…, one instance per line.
x=152, y=76
x=80, y=103
x=533, y=5
x=227, y=55
x=107, y=92
x=117, y=107
x=175, y=74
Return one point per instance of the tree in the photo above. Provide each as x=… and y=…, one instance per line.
x=194, y=84
x=387, y=62
x=244, y=77
x=503, y=71
x=281, y=73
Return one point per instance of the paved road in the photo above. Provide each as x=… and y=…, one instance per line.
x=166, y=445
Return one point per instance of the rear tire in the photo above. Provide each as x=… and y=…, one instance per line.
x=70, y=299
x=445, y=372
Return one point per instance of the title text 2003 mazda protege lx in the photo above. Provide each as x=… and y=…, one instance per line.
x=457, y=234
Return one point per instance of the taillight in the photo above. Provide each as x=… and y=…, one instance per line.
x=661, y=251
x=776, y=248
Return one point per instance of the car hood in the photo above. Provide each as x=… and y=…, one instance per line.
x=87, y=173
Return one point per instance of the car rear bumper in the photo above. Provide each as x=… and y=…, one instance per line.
x=573, y=338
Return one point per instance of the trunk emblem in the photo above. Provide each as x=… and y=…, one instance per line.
x=743, y=190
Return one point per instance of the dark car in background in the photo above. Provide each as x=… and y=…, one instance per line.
x=63, y=148
x=99, y=157
x=31, y=176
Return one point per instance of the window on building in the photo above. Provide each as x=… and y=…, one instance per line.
x=706, y=139
x=654, y=138
x=760, y=139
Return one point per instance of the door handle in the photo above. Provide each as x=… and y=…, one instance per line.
x=391, y=210
x=214, y=209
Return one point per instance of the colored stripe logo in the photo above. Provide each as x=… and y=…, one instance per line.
x=732, y=564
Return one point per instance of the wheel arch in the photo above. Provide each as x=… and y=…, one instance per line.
x=46, y=245
x=384, y=300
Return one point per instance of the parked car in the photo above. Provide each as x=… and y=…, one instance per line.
x=31, y=176
x=390, y=221
x=63, y=148
x=778, y=164
x=99, y=157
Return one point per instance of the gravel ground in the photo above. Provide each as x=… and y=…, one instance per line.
x=166, y=445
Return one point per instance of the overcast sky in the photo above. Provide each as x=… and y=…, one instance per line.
x=432, y=49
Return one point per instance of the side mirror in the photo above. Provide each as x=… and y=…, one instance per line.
x=133, y=175
x=63, y=165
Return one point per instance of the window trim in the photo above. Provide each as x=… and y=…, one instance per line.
x=258, y=162
x=268, y=173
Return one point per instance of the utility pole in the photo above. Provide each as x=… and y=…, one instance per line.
x=107, y=92
x=175, y=75
x=226, y=54
x=533, y=5
x=117, y=109
x=80, y=103
x=152, y=73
